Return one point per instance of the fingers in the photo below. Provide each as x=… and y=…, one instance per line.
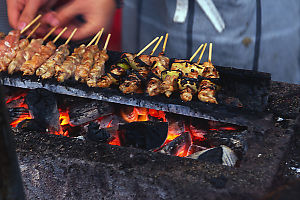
x=63, y=15
x=13, y=12
x=29, y=12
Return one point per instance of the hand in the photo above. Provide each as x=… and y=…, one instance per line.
x=21, y=12
x=95, y=13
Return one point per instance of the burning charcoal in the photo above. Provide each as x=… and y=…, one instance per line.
x=96, y=134
x=15, y=103
x=146, y=135
x=219, y=155
x=16, y=113
x=179, y=146
x=31, y=125
x=43, y=107
x=87, y=111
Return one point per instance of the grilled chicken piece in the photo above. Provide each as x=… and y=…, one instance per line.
x=131, y=84
x=47, y=70
x=25, y=54
x=160, y=64
x=210, y=71
x=169, y=84
x=30, y=66
x=15, y=64
x=187, y=87
x=207, y=91
x=154, y=87
x=188, y=69
x=82, y=70
x=67, y=69
x=113, y=76
x=8, y=49
x=98, y=69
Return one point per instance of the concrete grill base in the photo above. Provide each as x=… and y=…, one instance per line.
x=55, y=167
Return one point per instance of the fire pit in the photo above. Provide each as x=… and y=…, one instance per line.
x=63, y=167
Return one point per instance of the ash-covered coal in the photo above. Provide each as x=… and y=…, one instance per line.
x=43, y=107
x=218, y=155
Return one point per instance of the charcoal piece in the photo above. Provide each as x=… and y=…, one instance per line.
x=15, y=103
x=218, y=155
x=145, y=135
x=181, y=144
x=86, y=111
x=96, y=134
x=15, y=113
x=31, y=125
x=236, y=140
x=43, y=107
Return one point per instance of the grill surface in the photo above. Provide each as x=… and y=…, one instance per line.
x=247, y=87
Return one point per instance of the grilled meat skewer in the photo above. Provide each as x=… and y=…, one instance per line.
x=8, y=48
x=67, y=69
x=47, y=70
x=207, y=91
x=98, y=69
x=113, y=76
x=82, y=70
x=30, y=66
x=14, y=65
x=160, y=64
x=25, y=54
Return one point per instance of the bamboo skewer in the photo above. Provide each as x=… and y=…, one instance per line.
x=100, y=34
x=50, y=32
x=30, y=24
x=165, y=43
x=155, y=47
x=106, y=42
x=58, y=36
x=210, y=52
x=33, y=30
x=94, y=38
x=70, y=37
x=201, y=54
x=146, y=47
x=196, y=52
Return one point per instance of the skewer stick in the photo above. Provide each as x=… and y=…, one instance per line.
x=210, y=52
x=165, y=43
x=33, y=30
x=201, y=54
x=155, y=47
x=106, y=42
x=196, y=52
x=100, y=34
x=70, y=37
x=30, y=24
x=94, y=38
x=58, y=36
x=50, y=32
x=146, y=47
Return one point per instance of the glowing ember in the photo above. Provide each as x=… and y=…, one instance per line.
x=64, y=117
x=21, y=118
